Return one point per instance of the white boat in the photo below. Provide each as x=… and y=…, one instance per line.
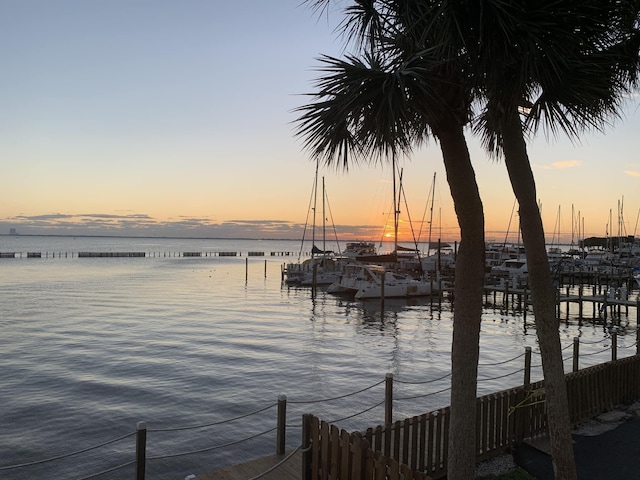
x=365, y=281
x=358, y=249
x=326, y=268
x=512, y=269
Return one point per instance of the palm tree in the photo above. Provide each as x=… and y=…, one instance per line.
x=385, y=103
x=564, y=64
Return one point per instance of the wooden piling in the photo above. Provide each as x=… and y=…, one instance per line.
x=388, y=399
x=281, y=425
x=141, y=450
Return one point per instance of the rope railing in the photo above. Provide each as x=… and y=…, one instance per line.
x=215, y=447
x=277, y=465
x=447, y=375
x=430, y=394
x=206, y=425
x=501, y=363
x=104, y=472
x=281, y=426
x=340, y=397
x=68, y=455
x=501, y=376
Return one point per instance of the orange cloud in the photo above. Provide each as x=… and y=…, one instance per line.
x=632, y=173
x=561, y=165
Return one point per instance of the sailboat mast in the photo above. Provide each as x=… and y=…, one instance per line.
x=324, y=218
x=433, y=188
x=395, y=207
x=315, y=200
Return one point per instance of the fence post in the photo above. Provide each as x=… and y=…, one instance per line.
x=388, y=399
x=141, y=449
x=576, y=353
x=527, y=366
x=614, y=346
x=282, y=425
x=306, y=447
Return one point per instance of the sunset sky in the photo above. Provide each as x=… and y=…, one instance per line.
x=174, y=118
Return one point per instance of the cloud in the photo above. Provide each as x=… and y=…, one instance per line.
x=143, y=225
x=632, y=173
x=561, y=165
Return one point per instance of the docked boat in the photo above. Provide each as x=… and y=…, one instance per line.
x=512, y=269
x=366, y=281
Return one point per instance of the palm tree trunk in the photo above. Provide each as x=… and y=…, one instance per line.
x=467, y=312
x=543, y=296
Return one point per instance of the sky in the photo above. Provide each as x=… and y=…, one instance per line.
x=176, y=118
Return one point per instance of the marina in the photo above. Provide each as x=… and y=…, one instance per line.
x=93, y=346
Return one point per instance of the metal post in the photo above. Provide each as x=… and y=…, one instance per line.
x=141, y=450
x=388, y=399
x=576, y=353
x=282, y=425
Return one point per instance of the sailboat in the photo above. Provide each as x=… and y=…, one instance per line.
x=368, y=278
x=324, y=266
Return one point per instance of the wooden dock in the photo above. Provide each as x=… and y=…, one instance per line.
x=291, y=469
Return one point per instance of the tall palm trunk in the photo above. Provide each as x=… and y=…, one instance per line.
x=543, y=296
x=467, y=313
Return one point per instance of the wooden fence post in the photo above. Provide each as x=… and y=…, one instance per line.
x=306, y=447
x=576, y=353
x=141, y=450
x=614, y=346
x=382, y=280
x=281, y=425
x=388, y=399
x=527, y=366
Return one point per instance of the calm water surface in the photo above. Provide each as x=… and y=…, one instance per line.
x=92, y=346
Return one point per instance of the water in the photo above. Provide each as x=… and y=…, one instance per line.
x=92, y=346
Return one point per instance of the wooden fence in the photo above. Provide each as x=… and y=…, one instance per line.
x=336, y=455
x=418, y=445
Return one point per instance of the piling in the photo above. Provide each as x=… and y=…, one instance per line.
x=141, y=450
x=388, y=399
x=281, y=425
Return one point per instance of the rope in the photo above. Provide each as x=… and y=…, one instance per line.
x=501, y=363
x=208, y=449
x=277, y=465
x=109, y=471
x=595, y=353
x=337, y=398
x=501, y=376
x=530, y=394
x=59, y=457
x=176, y=429
x=356, y=414
x=425, y=395
x=422, y=383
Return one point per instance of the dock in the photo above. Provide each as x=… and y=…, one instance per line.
x=289, y=469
